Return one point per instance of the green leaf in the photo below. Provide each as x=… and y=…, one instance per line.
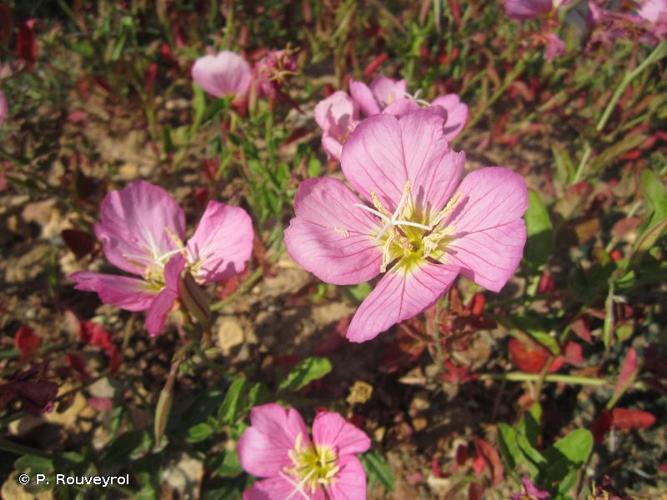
x=539, y=229
x=648, y=238
x=32, y=464
x=120, y=449
x=654, y=193
x=359, y=292
x=199, y=432
x=565, y=169
x=229, y=466
x=546, y=340
x=514, y=453
x=314, y=167
x=313, y=368
x=529, y=425
x=377, y=469
x=198, y=105
x=228, y=411
x=565, y=458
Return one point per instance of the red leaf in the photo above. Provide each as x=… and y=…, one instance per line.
x=455, y=374
x=477, y=304
x=26, y=48
x=101, y=404
x=375, y=64
x=546, y=283
x=581, y=329
x=491, y=458
x=27, y=341
x=601, y=425
x=528, y=356
x=628, y=371
x=626, y=418
x=81, y=243
x=77, y=364
x=574, y=354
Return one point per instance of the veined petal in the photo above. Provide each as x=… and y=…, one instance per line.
x=263, y=447
x=222, y=243
x=165, y=300
x=489, y=232
x=385, y=152
x=330, y=236
x=138, y=224
x=350, y=483
x=400, y=295
x=338, y=108
x=364, y=97
x=332, y=430
x=457, y=114
x=332, y=146
x=280, y=488
x=131, y=294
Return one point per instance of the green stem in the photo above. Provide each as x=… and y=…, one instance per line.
x=19, y=449
x=658, y=53
x=552, y=377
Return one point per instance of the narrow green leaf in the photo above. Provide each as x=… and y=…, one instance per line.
x=228, y=410
x=200, y=432
x=539, y=229
x=313, y=368
x=377, y=469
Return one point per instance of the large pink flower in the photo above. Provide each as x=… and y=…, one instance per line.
x=419, y=222
x=142, y=230
x=337, y=116
x=654, y=12
x=390, y=96
x=224, y=74
x=277, y=447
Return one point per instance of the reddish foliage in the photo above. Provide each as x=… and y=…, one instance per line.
x=26, y=47
x=477, y=304
x=628, y=370
x=101, y=404
x=77, y=364
x=455, y=374
x=528, y=356
x=574, y=354
x=601, y=426
x=27, y=341
x=581, y=329
x=546, y=284
x=29, y=387
x=96, y=335
x=627, y=418
x=491, y=459
x=374, y=65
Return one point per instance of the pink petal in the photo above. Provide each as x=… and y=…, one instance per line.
x=224, y=74
x=333, y=431
x=350, y=483
x=399, y=295
x=330, y=237
x=222, y=242
x=555, y=47
x=386, y=90
x=139, y=223
x=165, y=300
x=263, y=447
x=364, y=98
x=336, y=108
x=401, y=107
x=457, y=114
x=522, y=10
x=490, y=233
x=279, y=488
x=332, y=146
x=131, y=294
x=384, y=153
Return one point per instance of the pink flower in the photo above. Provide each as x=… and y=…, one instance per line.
x=224, y=74
x=4, y=110
x=276, y=447
x=142, y=230
x=555, y=47
x=654, y=12
x=522, y=10
x=530, y=491
x=419, y=222
x=390, y=96
x=272, y=71
x=337, y=116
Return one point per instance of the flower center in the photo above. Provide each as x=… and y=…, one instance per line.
x=412, y=234
x=314, y=467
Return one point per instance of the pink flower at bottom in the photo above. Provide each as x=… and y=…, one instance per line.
x=142, y=230
x=277, y=447
x=419, y=222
